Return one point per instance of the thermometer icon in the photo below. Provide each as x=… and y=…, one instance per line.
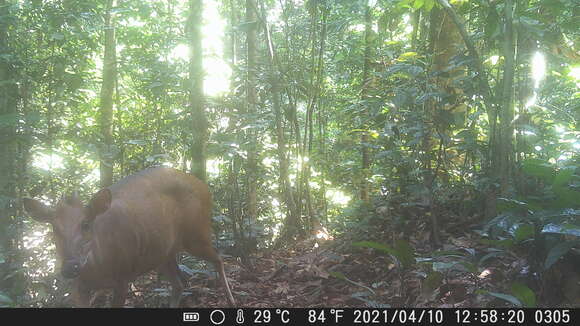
x=240, y=317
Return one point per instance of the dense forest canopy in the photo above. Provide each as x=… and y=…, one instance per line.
x=399, y=126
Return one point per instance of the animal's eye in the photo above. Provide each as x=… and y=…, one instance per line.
x=86, y=226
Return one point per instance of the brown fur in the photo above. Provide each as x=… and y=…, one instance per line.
x=138, y=224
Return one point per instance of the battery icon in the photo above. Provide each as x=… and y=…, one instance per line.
x=190, y=316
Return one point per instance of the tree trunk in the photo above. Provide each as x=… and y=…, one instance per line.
x=291, y=223
x=251, y=102
x=506, y=156
x=8, y=156
x=445, y=43
x=492, y=164
x=107, y=92
x=196, y=95
x=416, y=23
x=366, y=160
x=322, y=118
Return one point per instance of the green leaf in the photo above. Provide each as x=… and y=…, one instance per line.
x=448, y=253
x=491, y=255
x=418, y=4
x=558, y=251
x=563, y=176
x=337, y=275
x=402, y=250
x=405, y=253
x=442, y=266
x=374, y=245
x=433, y=281
x=524, y=232
x=506, y=297
x=505, y=243
x=5, y=300
x=524, y=294
x=511, y=205
x=400, y=99
x=405, y=3
x=538, y=168
x=408, y=56
x=566, y=197
x=362, y=296
x=470, y=267
x=565, y=229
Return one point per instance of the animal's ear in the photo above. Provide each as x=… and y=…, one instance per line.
x=100, y=202
x=38, y=210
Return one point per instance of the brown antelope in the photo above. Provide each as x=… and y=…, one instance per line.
x=136, y=225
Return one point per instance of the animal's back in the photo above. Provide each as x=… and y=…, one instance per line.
x=154, y=213
x=163, y=180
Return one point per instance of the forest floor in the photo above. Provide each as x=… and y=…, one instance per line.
x=335, y=274
x=330, y=276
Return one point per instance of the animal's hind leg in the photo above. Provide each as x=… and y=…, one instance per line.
x=173, y=274
x=210, y=254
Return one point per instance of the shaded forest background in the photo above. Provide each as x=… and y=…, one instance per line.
x=397, y=128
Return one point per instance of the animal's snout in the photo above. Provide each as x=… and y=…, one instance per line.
x=71, y=268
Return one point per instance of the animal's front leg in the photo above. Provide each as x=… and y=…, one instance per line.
x=98, y=294
x=120, y=294
x=80, y=295
x=173, y=274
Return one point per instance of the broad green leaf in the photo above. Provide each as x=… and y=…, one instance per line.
x=563, y=176
x=470, y=267
x=337, y=275
x=524, y=232
x=511, y=205
x=362, y=296
x=454, y=265
x=186, y=269
x=408, y=55
x=504, y=243
x=558, y=251
x=448, y=253
x=506, y=297
x=405, y=253
x=442, y=266
x=566, y=197
x=538, y=168
x=374, y=245
x=5, y=300
x=566, y=229
x=465, y=134
x=405, y=3
x=433, y=280
x=524, y=294
x=402, y=250
x=491, y=255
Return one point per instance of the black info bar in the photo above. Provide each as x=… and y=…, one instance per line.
x=302, y=316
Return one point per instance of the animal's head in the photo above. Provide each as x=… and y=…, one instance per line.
x=72, y=226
